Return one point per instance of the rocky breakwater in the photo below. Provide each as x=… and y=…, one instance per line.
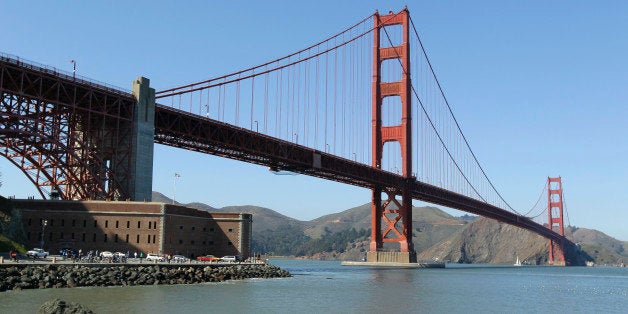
x=61, y=276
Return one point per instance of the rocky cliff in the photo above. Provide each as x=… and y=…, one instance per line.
x=493, y=242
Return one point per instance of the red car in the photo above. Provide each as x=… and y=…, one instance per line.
x=208, y=258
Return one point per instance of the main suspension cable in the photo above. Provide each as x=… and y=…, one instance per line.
x=454, y=118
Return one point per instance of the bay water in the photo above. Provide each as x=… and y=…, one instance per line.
x=328, y=287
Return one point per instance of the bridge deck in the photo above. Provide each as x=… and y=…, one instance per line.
x=184, y=130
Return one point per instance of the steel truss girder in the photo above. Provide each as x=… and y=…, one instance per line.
x=180, y=129
x=67, y=135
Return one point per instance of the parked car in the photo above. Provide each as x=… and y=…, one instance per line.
x=229, y=258
x=154, y=257
x=106, y=254
x=37, y=253
x=208, y=258
x=179, y=259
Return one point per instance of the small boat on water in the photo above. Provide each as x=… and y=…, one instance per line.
x=518, y=262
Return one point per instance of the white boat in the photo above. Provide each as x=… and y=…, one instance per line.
x=518, y=262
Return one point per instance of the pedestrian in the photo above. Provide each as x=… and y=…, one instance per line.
x=135, y=255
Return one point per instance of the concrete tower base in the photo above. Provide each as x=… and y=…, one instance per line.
x=391, y=257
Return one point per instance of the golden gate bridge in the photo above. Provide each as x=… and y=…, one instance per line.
x=362, y=107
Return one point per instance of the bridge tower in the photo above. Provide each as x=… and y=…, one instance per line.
x=555, y=218
x=392, y=219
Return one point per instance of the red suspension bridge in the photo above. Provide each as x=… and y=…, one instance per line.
x=363, y=107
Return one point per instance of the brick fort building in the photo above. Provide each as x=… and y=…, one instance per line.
x=145, y=227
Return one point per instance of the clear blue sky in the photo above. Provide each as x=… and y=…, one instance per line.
x=540, y=87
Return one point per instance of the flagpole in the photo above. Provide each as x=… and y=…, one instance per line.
x=174, y=183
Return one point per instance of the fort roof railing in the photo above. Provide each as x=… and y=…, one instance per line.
x=9, y=58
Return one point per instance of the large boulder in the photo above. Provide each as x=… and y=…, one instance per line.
x=58, y=306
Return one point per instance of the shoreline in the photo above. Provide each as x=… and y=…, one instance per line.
x=19, y=276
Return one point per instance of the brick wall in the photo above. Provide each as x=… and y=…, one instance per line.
x=134, y=227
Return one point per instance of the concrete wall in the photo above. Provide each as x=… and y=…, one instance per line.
x=143, y=141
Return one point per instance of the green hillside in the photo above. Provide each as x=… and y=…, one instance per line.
x=12, y=235
x=604, y=249
x=436, y=234
x=343, y=235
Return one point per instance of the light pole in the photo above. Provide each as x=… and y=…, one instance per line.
x=256, y=126
x=74, y=69
x=43, y=230
x=297, y=138
x=326, y=148
x=174, y=194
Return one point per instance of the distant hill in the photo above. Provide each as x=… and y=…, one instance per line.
x=346, y=233
x=263, y=218
x=604, y=249
x=489, y=241
x=436, y=234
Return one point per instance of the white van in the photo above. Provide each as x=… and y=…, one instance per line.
x=229, y=258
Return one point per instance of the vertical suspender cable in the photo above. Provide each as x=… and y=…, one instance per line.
x=252, y=100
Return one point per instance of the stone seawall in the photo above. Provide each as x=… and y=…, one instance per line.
x=16, y=277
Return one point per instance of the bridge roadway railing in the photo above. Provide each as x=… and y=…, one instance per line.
x=78, y=79
x=181, y=129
